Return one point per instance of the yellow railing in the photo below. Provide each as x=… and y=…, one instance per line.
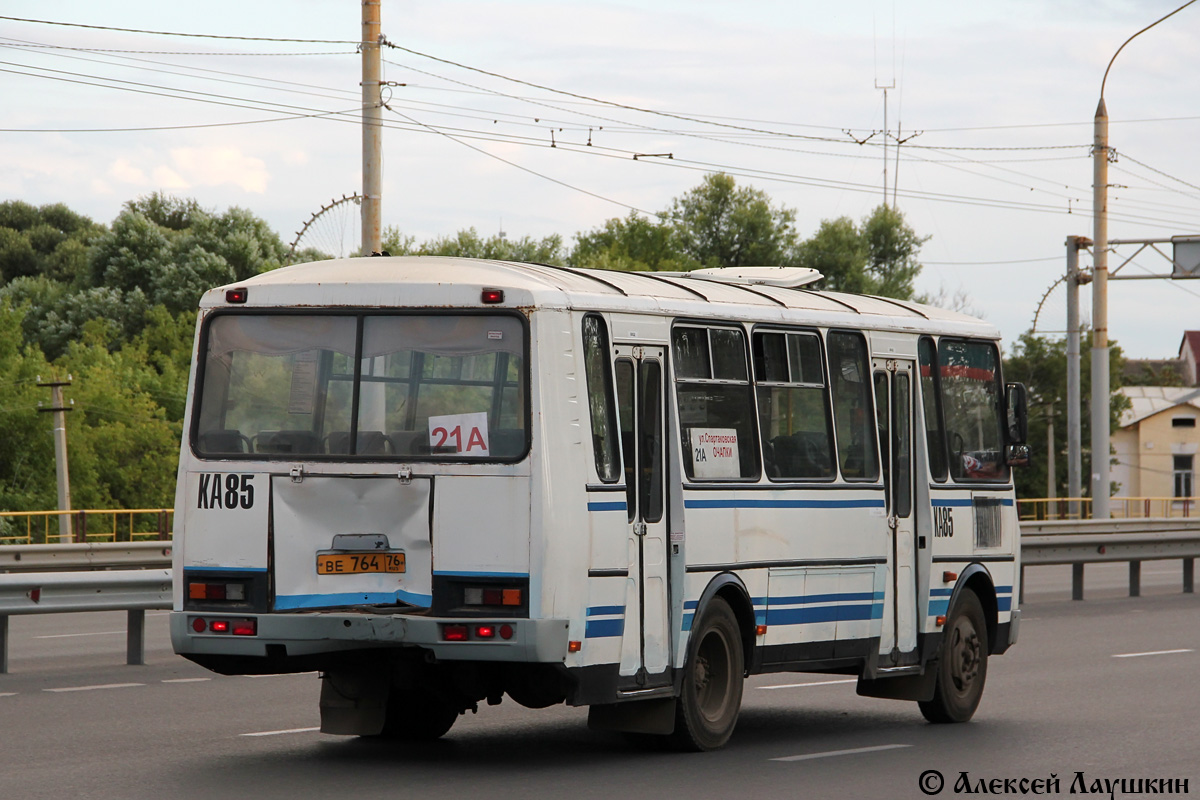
x=86, y=525
x=1043, y=508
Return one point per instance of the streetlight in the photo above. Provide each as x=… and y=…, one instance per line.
x=1100, y=385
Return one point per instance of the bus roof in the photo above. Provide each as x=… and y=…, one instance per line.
x=443, y=282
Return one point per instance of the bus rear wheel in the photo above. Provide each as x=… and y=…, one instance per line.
x=962, y=664
x=711, y=695
x=418, y=716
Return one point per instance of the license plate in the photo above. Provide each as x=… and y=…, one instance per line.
x=359, y=563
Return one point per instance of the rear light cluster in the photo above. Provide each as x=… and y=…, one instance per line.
x=477, y=632
x=232, y=592
x=247, y=626
x=491, y=596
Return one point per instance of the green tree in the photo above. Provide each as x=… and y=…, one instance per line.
x=877, y=257
x=469, y=244
x=719, y=224
x=630, y=244
x=50, y=241
x=1041, y=364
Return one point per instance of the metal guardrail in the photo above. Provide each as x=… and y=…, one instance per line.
x=1080, y=508
x=1080, y=542
x=91, y=556
x=132, y=590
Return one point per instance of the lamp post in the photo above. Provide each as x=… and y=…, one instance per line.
x=1101, y=478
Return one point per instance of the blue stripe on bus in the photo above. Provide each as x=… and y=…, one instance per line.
x=834, y=613
x=752, y=503
x=600, y=611
x=601, y=628
x=960, y=503
x=470, y=574
x=292, y=601
x=842, y=597
x=607, y=505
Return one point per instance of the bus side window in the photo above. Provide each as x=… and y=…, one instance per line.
x=625, y=418
x=931, y=402
x=597, y=367
x=853, y=415
x=793, y=405
x=716, y=407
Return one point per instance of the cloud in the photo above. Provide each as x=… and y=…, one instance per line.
x=167, y=178
x=213, y=166
x=125, y=172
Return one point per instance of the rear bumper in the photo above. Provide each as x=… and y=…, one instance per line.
x=316, y=633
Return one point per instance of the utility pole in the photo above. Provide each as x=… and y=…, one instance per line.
x=1051, y=477
x=372, y=128
x=1101, y=482
x=60, y=454
x=1074, y=402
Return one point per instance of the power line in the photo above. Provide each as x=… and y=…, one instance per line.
x=177, y=33
x=182, y=52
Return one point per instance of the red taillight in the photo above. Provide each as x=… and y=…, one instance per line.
x=454, y=633
x=217, y=591
x=236, y=295
x=491, y=296
x=485, y=631
x=506, y=631
x=245, y=627
x=219, y=626
x=199, y=625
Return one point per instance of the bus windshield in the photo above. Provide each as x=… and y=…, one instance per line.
x=441, y=386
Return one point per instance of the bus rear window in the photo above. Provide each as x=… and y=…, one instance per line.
x=415, y=386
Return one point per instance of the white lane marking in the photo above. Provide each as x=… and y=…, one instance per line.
x=69, y=635
x=808, y=756
x=186, y=680
x=815, y=683
x=90, y=688
x=1152, y=653
x=280, y=733
x=8, y=694
x=280, y=675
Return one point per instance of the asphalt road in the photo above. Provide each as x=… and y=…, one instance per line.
x=1106, y=687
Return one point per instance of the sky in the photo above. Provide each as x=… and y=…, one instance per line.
x=525, y=117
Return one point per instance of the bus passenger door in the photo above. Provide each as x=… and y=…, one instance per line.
x=645, y=647
x=894, y=415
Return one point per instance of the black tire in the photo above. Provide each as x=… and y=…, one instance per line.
x=962, y=664
x=711, y=695
x=418, y=716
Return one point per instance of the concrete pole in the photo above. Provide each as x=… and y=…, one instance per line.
x=60, y=456
x=372, y=129
x=1051, y=476
x=1100, y=389
x=1074, y=399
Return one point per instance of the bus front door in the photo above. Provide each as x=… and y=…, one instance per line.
x=894, y=415
x=645, y=647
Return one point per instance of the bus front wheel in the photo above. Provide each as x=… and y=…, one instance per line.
x=962, y=664
x=711, y=695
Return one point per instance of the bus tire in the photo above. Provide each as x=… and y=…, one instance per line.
x=418, y=716
x=711, y=695
x=962, y=664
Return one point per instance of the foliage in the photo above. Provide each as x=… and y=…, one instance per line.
x=877, y=257
x=469, y=244
x=719, y=224
x=1041, y=364
x=50, y=241
x=630, y=244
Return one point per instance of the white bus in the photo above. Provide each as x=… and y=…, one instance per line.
x=438, y=481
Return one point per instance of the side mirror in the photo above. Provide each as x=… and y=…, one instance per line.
x=1016, y=406
x=1017, y=455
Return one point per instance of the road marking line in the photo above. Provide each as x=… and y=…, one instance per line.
x=831, y=753
x=69, y=635
x=89, y=688
x=280, y=733
x=1152, y=653
x=815, y=683
x=186, y=680
x=8, y=694
x=281, y=675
